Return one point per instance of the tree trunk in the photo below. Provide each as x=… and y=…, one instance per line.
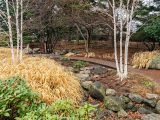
x=17, y=28
x=21, y=32
x=10, y=30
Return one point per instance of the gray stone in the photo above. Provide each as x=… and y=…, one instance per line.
x=143, y=110
x=101, y=114
x=87, y=84
x=129, y=106
x=98, y=70
x=85, y=72
x=97, y=90
x=70, y=69
x=155, y=63
x=152, y=96
x=36, y=50
x=134, y=108
x=136, y=98
x=86, y=68
x=110, y=92
x=28, y=50
x=83, y=77
x=125, y=99
x=158, y=107
x=113, y=103
x=122, y=113
x=151, y=103
x=151, y=116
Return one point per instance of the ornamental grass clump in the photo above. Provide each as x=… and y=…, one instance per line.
x=43, y=75
x=143, y=59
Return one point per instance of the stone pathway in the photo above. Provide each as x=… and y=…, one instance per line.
x=152, y=74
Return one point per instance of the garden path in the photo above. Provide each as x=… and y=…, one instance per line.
x=152, y=74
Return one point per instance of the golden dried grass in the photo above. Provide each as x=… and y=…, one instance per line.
x=43, y=75
x=143, y=59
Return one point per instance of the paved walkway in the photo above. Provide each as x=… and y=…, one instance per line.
x=152, y=74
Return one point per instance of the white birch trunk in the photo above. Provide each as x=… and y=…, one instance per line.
x=115, y=38
x=121, y=40
x=10, y=30
x=21, y=32
x=17, y=28
x=128, y=34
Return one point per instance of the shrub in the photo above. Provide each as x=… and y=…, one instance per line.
x=79, y=64
x=17, y=101
x=16, y=98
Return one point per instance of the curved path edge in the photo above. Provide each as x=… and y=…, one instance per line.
x=146, y=73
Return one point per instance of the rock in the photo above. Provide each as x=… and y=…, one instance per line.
x=87, y=84
x=101, y=114
x=155, y=63
x=134, y=108
x=136, y=98
x=151, y=103
x=98, y=70
x=70, y=69
x=122, y=114
x=113, y=103
x=110, y=92
x=83, y=77
x=152, y=96
x=69, y=54
x=97, y=90
x=28, y=50
x=125, y=99
x=86, y=68
x=85, y=72
x=129, y=106
x=36, y=50
x=158, y=107
x=151, y=116
x=143, y=110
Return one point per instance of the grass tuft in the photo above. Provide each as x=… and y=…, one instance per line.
x=143, y=59
x=43, y=75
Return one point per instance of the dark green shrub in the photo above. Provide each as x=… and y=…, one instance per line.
x=16, y=98
x=79, y=64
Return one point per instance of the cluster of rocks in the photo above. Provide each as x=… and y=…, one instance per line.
x=85, y=73
x=149, y=106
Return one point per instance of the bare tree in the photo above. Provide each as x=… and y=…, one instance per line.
x=10, y=30
x=8, y=19
x=122, y=19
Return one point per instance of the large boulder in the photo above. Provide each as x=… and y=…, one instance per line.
x=136, y=98
x=97, y=90
x=155, y=63
x=113, y=103
x=143, y=110
x=98, y=70
x=151, y=103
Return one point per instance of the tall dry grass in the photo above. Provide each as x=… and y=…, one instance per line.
x=143, y=59
x=43, y=75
